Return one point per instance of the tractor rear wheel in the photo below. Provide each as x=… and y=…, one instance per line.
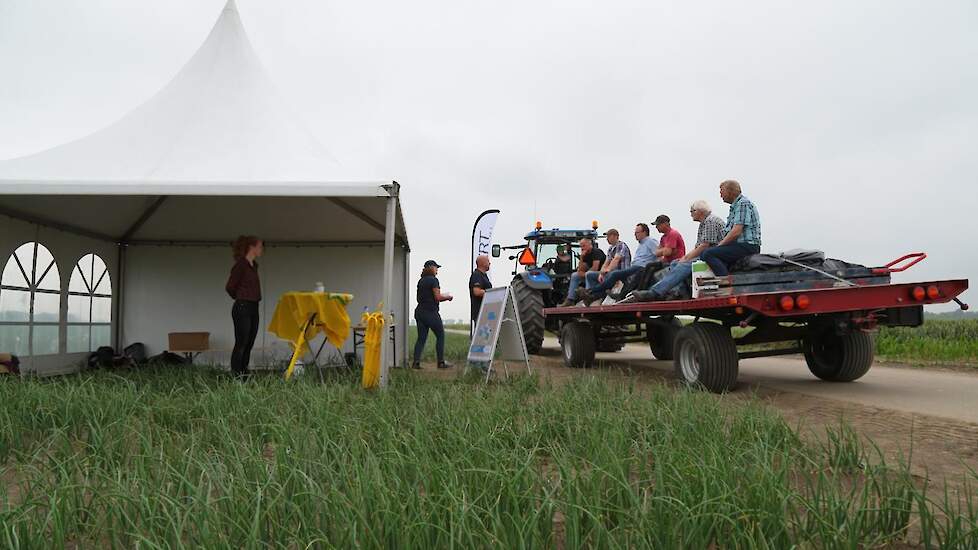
x=838, y=358
x=530, y=305
x=706, y=356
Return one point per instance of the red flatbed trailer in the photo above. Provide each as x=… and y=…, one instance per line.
x=832, y=326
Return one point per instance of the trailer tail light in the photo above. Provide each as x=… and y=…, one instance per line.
x=803, y=301
x=527, y=258
x=787, y=303
x=933, y=293
x=918, y=293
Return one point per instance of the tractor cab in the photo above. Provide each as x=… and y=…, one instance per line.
x=542, y=269
x=553, y=252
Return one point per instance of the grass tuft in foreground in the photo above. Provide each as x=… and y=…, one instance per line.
x=178, y=458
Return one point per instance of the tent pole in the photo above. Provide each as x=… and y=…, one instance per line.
x=405, y=307
x=389, y=229
x=120, y=296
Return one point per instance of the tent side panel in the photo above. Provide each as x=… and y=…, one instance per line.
x=67, y=249
x=181, y=289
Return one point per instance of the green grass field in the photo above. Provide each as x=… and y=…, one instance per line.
x=937, y=341
x=456, y=345
x=187, y=458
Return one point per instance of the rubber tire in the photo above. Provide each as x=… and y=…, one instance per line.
x=715, y=353
x=530, y=305
x=835, y=358
x=577, y=345
x=608, y=345
x=663, y=338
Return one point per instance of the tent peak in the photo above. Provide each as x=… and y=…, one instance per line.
x=219, y=119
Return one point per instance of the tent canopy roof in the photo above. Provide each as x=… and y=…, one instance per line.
x=214, y=154
x=208, y=214
x=219, y=119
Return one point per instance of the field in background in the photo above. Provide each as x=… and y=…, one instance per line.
x=186, y=458
x=456, y=345
x=937, y=341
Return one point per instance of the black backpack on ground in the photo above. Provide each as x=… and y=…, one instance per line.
x=168, y=358
x=102, y=358
x=136, y=353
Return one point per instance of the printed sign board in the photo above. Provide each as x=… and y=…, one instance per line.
x=498, y=327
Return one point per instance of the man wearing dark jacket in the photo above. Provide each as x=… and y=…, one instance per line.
x=479, y=283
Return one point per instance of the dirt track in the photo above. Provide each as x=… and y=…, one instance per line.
x=952, y=395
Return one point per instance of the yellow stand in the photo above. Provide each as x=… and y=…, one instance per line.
x=372, y=340
x=299, y=344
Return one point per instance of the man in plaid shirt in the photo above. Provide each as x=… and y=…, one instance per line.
x=743, y=229
x=619, y=255
x=711, y=231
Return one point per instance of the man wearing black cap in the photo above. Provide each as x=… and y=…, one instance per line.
x=427, y=316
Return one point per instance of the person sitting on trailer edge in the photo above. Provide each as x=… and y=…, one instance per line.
x=588, y=270
x=710, y=232
x=743, y=231
x=671, y=246
x=644, y=255
x=619, y=255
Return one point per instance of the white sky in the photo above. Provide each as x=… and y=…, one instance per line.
x=852, y=125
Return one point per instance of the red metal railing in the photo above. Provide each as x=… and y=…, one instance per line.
x=916, y=257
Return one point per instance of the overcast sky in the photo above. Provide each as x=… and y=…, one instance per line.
x=852, y=125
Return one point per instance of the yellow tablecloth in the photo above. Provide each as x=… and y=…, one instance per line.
x=293, y=311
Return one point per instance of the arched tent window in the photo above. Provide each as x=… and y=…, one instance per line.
x=89, y=305
x=30, y=302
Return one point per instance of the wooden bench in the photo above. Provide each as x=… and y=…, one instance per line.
x=190, y=344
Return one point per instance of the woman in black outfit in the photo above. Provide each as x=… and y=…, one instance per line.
x=244, y=288
x=427, y=316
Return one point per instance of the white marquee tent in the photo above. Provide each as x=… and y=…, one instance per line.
x=154, y=200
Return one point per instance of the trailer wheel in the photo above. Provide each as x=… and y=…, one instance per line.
x=577, y=344
x=839, y=358
x=662, y=337
x=706, y=355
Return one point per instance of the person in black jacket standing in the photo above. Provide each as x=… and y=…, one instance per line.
x=427, y=316
x=244, y=288
x=479, y=283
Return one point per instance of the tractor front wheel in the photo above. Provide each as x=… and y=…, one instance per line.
x=530, y=305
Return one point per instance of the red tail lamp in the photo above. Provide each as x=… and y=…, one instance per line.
x=933, y=293
x=918, y=293
x=803, y=301
x=787, y=303
x=527, y=258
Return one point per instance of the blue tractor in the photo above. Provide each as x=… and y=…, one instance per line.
x=541, y=278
